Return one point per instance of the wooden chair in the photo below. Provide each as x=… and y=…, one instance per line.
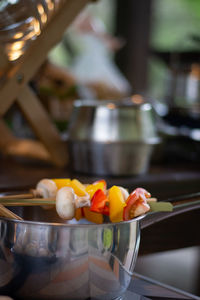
x=14, y=87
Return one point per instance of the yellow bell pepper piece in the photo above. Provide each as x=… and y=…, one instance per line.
x=61, y=182
x=78, y=187
x=92, y=216
x=117, y=204
x=92, y=188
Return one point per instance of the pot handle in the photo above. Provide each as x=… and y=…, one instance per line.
x=180, y=204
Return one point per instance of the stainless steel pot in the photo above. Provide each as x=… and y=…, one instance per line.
x=41, y=260
x=112, y=137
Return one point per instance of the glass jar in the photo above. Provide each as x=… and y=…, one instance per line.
x=21, y=21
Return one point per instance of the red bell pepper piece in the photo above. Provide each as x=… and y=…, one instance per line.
x=136, y=204
x=100, y=203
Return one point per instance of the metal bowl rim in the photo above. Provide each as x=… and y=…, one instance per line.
x=126, y=103
x=154, y=140
x=26, y=222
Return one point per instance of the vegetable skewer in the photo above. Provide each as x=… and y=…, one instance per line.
x=72, y=199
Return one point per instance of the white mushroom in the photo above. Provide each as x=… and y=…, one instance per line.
x=65, y=203
x=125, y=193
x=46, y=188
x=82, y=201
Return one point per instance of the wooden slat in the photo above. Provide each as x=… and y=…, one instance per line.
x=41, y=124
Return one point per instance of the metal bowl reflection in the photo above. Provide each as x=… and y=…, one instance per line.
x=66, y=261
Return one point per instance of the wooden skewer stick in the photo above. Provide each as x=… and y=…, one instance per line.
x=18, y=196
x=4, y=212
x=28, y=202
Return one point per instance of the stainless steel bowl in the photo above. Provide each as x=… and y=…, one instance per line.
x=67, y=261
x=55, y=261
x=112, y=137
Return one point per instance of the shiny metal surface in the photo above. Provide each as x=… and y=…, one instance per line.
x=110, y=158
x=113, y=121
x=67, y=261
x=112, y=137
x=183, y=86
